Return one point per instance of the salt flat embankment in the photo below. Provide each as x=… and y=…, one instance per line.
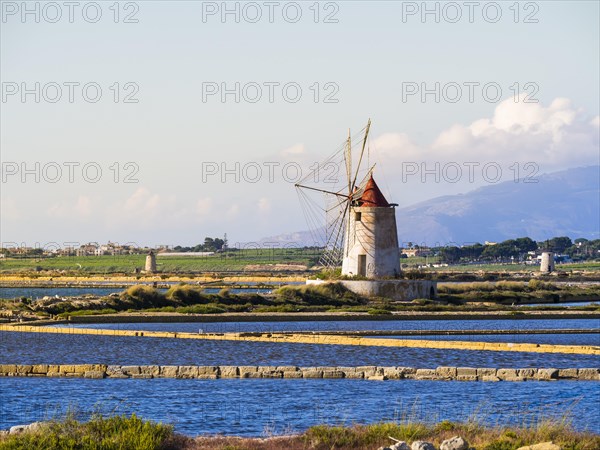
x=145, y=317
x=324, y=339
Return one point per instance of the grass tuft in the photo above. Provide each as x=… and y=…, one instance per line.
x=331, y=294
x=100, y=433
x=121, y=432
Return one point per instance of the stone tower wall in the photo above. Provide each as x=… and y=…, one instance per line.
x=150, y=263
x=374, y=236
x=547, y=263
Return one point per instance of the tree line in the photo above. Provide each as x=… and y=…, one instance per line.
x=579, y=250
x=209, y=245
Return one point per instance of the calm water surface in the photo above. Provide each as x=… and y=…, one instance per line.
x=562, y=339
x=555, y=339
x=45, y=348
x=257, y=407
x=358, y=325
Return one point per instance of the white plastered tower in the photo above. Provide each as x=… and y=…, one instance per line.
x=371, y=240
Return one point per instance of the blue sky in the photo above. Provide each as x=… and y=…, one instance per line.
x=368, y=61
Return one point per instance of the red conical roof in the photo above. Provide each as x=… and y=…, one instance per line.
x=372, y=196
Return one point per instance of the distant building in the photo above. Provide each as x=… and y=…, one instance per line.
x=87, y=250
x=67, y=251
x=416, y=251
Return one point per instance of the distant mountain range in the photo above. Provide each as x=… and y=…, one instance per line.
x=565, y=203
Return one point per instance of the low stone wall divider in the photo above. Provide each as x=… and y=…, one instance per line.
x=99, y=371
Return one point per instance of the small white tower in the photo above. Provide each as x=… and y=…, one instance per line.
x=371, y=241
x=150, y=262
x=547, y=263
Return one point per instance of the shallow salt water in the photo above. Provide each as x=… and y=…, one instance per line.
x=46, y=348
x=393, y=325
x=554, y=339
x=354, y=325
x=258, y=407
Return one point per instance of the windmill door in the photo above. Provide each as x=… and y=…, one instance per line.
x=362, y=265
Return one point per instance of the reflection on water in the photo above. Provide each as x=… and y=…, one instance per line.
x=251, y=407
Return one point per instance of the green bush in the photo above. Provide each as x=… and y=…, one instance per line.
x=118, y=432
x=330, y=294
x=416, y=275
x=378, y=311
x=329, y=274
x=201, y=309
x=512, y=286
x=445, y=425
x=279, y=308
x=361, y=436
x=501, y=444
x=89, y=312
x=185, y=294
x=140, y=296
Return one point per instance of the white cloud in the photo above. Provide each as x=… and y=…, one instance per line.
x=9, y=209
x=144, y=209
x=264, y=205
x=396, y=145
x=294, y=150
x=143, y=203
x=233, y=211
x=83, y=207
x=554, y=137
x=204, y=207
x=79, y=209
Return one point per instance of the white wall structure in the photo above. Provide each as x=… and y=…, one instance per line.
x=398, y=290
x=405, y=290
x=547, y=263
x=150, y=262
x=371, y=241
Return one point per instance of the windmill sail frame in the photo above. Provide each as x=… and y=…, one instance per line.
x=337, y=213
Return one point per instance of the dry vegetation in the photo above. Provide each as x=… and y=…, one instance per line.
x=509, y=292
x=133, y=433
x=330, y=297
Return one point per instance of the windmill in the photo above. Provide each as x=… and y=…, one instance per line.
x=360, y=230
